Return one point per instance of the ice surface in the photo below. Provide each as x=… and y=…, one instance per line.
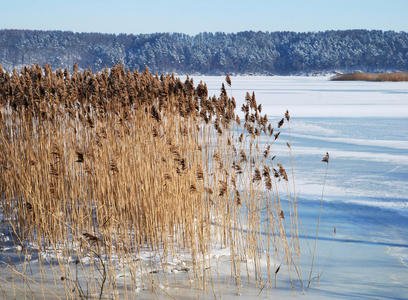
x=365, y=142
x=317, y=96
x=364, y=127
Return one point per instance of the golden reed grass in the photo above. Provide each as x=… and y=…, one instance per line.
x=396, y=76
x=112, y=164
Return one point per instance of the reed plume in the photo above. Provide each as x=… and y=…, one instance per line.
x=110, y=164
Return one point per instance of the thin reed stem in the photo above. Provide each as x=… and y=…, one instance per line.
x=317, y=227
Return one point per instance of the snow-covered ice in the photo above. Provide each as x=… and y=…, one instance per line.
x=317, y=96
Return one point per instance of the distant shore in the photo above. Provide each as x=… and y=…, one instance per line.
x=396, y=76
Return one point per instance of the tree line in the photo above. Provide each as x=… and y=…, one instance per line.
x=218, y=53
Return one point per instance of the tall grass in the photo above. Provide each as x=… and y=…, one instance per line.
x=396, y=76
x=101, y=168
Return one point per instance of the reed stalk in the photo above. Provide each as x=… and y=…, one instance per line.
x=100, y=169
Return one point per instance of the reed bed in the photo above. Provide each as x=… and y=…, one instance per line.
x=396, y=76
x=100, y=169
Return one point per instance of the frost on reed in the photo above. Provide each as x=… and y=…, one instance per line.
x=113, y=165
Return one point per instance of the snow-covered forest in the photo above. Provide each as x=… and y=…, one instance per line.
x=210, y=53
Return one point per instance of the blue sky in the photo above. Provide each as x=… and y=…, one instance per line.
x=191, y=16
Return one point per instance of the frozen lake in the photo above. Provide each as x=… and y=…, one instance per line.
x=317, y=96
x=364, y=127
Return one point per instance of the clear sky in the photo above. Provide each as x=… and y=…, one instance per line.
x=192, y=16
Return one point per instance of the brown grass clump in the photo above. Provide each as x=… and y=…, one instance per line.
x=396, y=76
x=110, y=165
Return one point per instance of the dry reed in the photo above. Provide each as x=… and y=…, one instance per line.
x=110, y=165
x=396, y=76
